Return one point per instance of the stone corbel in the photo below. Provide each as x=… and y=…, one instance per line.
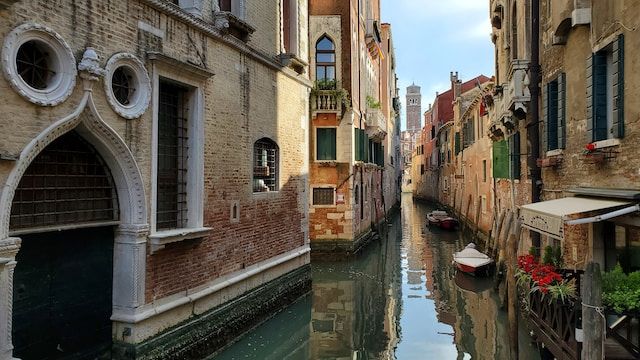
x=89, y=68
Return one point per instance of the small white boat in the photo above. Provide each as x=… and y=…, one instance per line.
x=472, y=261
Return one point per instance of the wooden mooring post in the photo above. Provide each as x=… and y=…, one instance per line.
x=512, y=290
x=592, y=318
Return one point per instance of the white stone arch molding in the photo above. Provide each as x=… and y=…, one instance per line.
x=140, y=96
x=131, y=235
x=60, y=83
x=86, y=120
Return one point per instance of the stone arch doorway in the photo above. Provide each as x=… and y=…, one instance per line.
x=64, y=209
x=126, y=233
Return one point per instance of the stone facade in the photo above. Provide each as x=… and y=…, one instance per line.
x=572, y=34
x=353, y=124
x=244, y=85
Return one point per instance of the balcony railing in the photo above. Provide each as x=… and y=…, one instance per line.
x=327, y=100
x=376, y=123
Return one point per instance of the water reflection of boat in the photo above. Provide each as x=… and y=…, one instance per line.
x=472, y=261
x=442, y=220
x=473, y=284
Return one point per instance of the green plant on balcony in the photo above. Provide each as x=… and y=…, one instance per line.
x=552, y=256
x=332, y=88
x=621, y=292
x=372, y=103
x=533, y=276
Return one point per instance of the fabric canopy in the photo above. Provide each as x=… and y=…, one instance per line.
x=547, y=217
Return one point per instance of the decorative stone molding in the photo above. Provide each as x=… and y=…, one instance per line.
x=140, y=99
x=228, y=23
x=61, y=84
x=90, y=65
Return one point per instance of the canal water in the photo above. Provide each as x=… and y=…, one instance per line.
x=399, y=299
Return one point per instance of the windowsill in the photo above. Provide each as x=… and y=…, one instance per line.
x=231, y=24
x=606, y=143
x=323, y=206
x=159, y=239
x=266, y=194
x=293, y=61
x=555, y=152
x=327, y=163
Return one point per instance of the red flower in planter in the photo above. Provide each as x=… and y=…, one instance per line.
x=590, y=147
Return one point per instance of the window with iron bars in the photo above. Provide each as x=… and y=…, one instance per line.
x=265, y=166
x=323, y=196
x=173, y=150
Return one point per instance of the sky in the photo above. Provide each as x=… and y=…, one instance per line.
x=433, y=38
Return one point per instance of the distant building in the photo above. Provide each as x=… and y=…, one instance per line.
x=414, y=108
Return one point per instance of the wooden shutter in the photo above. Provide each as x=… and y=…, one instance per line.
x=618, y=87
x=358, y=144
x=500, y=160
x=457, y=142
x=589, y=98
x=326, y=144
x=552, y=115
x=544, y=118
x=600, y=129
x=515, y=155
x=286, y=25
x=562, y=110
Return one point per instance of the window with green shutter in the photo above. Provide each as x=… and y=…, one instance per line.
x=605, y=92
x=326, y=144
x=552, y=115
x=457, y=142
x=500, y=160
x=514, y=148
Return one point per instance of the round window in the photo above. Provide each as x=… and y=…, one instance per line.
x=38, y=64
x=35, y=65
x=128, y=87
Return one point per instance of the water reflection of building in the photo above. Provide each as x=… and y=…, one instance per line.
x=354, y=311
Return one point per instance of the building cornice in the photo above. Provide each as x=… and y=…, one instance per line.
x=209, y=29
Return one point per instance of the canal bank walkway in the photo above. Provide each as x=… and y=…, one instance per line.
x=400, y=298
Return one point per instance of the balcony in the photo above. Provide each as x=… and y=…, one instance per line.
x=376, y=124
x=326, y=101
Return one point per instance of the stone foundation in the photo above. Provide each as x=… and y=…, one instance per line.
x=203, y=335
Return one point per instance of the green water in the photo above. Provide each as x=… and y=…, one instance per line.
x=399, y=299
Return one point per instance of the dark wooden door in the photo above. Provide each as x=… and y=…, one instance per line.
x=62, y=295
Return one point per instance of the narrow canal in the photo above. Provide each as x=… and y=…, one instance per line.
x=400, y=299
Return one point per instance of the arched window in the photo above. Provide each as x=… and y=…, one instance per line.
x=265, y=165
x=357, y=194
x=325, y=60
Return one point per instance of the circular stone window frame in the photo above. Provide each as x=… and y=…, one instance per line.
x=61, y=85
x=141, y=98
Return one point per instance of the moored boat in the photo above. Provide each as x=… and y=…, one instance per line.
x=472, y=261
x=442, y=219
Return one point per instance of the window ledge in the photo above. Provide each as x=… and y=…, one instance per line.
x=159, y=239
x=231, y=24
x=555, y=152
x=606, y=143
x=293, y=61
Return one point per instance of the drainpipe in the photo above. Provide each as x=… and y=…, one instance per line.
x=533, y=128
x=360, y=111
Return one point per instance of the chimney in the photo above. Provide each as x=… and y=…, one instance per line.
x=454, y=79
x=457, y=89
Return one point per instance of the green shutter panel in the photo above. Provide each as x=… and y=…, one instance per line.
x=589, y=98
x=457, y=142
x=500, y=160
x=618, y=87
x=562, y=110
x=381, y=155
x=320, y=146
x=333, y=143
x=552, y=115
x=545, y=117
x=514, y=143
x=356, y=143
x=600, y=129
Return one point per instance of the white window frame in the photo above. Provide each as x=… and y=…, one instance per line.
x=195, y=165
x=315, y=142
x=278, y=168
x=322, y=186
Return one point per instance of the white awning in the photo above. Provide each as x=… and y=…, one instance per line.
x=548, y=217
